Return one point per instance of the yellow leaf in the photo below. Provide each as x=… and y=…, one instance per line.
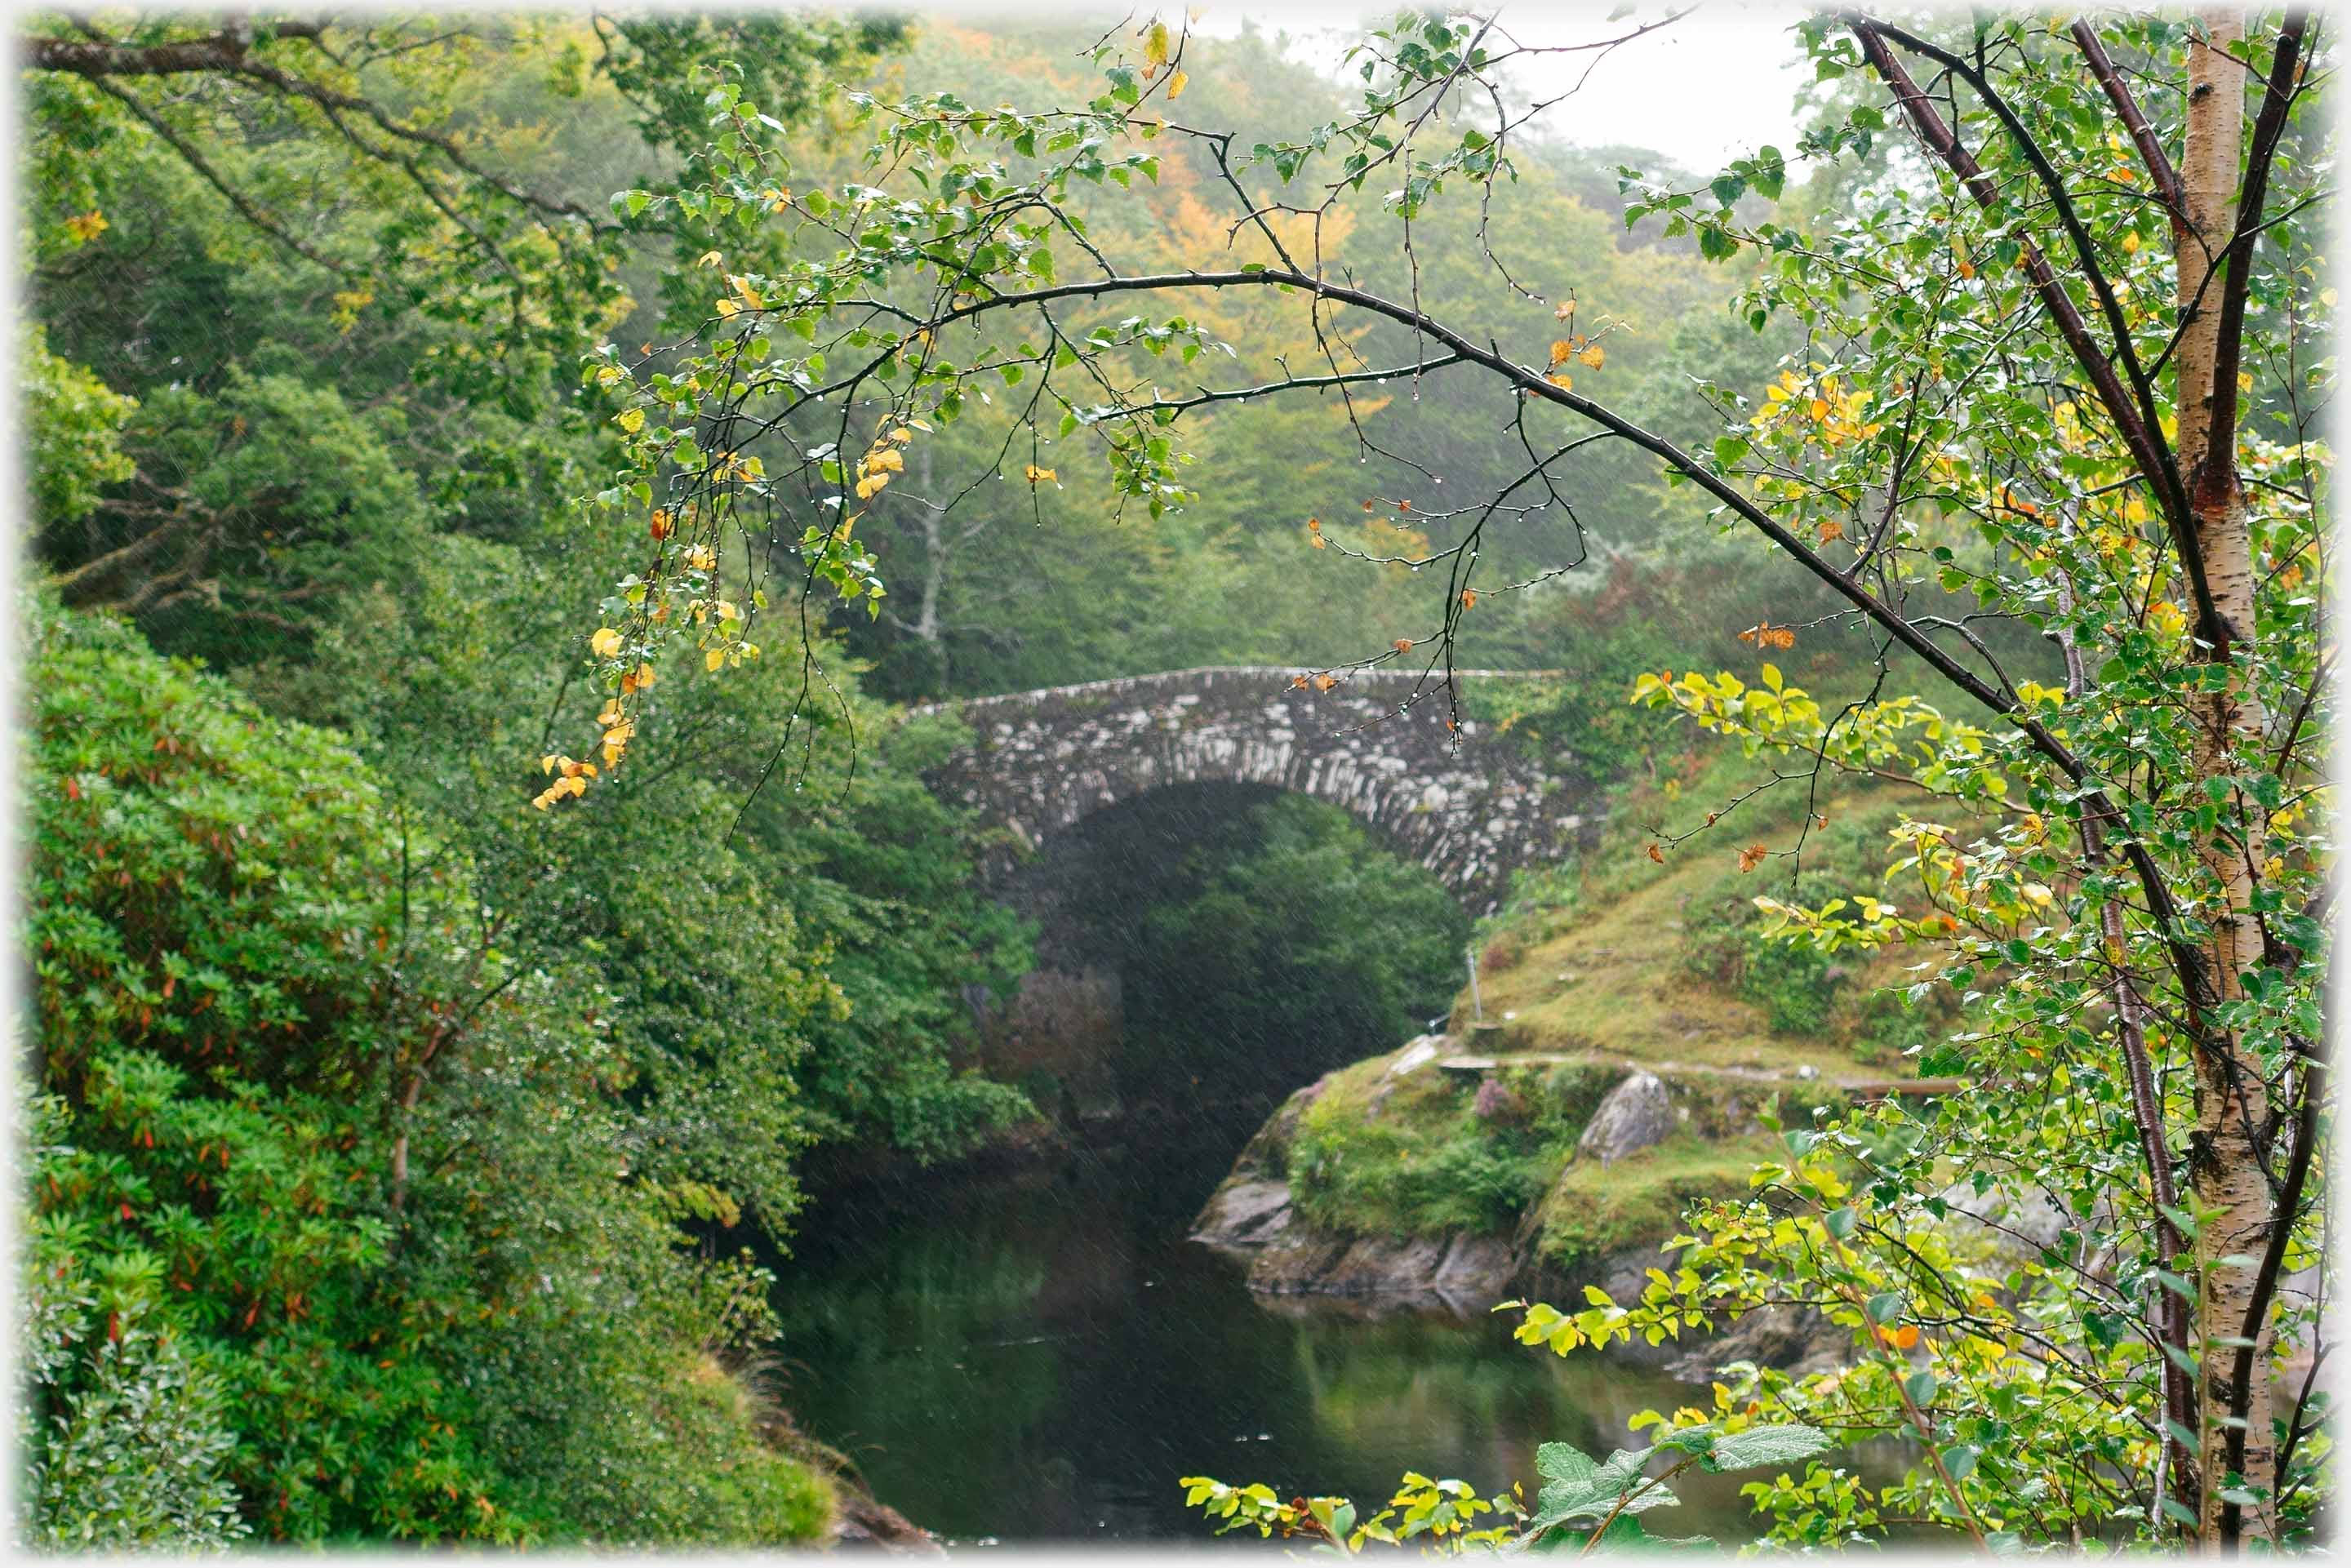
x=1155, y=45
x=1561, y=380
x=1562, y=349
x=709, y=258
x=1176, y=84
x=1595, y=356
x=631, y=420
x=714, y=659
x=605, y=642
x=86, y=226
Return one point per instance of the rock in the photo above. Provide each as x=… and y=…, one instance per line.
x=2019, y=1226
x=1808, y=1072
x=1416, y=1053
x=1794, y=1339
x=1241, y=1215
x=867, y=1522
x=1637, y=1113
x=1472, y=1270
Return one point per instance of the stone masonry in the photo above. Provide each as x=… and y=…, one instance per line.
x=1471, y=807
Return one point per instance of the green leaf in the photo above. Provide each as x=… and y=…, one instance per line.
x=1585, y=1490
x=1777, y=1444
x=1564, y=1462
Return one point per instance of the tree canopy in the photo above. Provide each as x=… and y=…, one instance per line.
x=2055, y=383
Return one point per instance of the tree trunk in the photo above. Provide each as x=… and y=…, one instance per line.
x=2231, y=1100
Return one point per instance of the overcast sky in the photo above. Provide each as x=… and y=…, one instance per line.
x=1718, y=83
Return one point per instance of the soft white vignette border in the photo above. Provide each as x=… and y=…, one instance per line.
x=1309, y=17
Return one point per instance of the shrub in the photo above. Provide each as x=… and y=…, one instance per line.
x=244, y=1319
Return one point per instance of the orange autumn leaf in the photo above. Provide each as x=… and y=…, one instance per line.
x=1468, y=599
x=1656, y=853
x=1752, y=856
x=1404, y=644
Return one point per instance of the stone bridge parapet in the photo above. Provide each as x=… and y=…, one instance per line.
x=1471, y=807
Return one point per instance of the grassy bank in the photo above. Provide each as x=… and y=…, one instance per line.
x=1616, y=962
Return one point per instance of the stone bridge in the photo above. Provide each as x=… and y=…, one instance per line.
x=1472, y=807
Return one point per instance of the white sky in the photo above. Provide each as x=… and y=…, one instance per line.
x=1715, y=83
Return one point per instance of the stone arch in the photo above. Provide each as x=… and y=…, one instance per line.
x=1473, y=812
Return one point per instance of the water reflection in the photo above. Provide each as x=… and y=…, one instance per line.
x=1041, y=1359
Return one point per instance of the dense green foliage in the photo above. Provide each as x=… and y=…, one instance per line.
x=1261, y=944
x=2011, y=374
x=273, y=1288
x=374, y=1104
x=371, y=1104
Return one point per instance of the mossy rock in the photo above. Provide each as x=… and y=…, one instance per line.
x=1593, y=1209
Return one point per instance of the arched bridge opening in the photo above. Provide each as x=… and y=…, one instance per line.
x=1471, y=805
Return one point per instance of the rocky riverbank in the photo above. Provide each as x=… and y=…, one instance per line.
x=1436, y=1175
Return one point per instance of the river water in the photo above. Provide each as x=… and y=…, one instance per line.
x=1039, y=1358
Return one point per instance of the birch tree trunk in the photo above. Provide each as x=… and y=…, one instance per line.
x=2231, y=1101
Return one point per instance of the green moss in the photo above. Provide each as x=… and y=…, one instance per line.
x=1605, y=963
x=768, y=1489
x=1407, y=1157
x=1593, y=1209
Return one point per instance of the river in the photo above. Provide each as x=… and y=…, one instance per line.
x=1040, y=1357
